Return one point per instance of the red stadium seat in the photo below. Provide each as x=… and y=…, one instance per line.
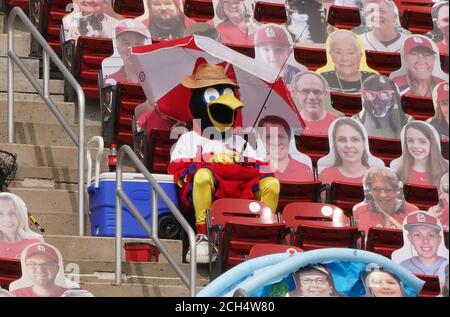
x=384, y=241
x=343, y=17
x=313, y=146
x=156, y=155
x=267, y=12
x=52, y=13
x=297, y=192
x=444, y=149
x=345, y=196
x=271, y=248
x=383, y=62
x=444, y=62
x=418, y=20
x=118, y=110
x=349, y=104
x=420, y=108
x=129, y=9
x=423, y=197
x=385, y=149
x=85, y=63
x=10, y=270
x=243, y=49
x=310, y=57
x=23, y=4
x=319, y=225
x=236, y=225
x=431, y=288
x=199, y=10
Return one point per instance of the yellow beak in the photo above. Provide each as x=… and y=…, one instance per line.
x=225, y=104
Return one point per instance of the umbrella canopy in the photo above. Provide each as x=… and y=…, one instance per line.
x=162, y=66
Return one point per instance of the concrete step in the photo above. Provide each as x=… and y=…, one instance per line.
x=32, y=64
x=49, y=200
x=22, y=85
x=136, y=290
x=74, y=248
x=162, y=269
x=62, y=158
x=21, y=44
x=45, y=134
x=38, y=112
x=29, y=96
x=39, y=183
x=18, y=25
x=102, y=277
x=59, y=223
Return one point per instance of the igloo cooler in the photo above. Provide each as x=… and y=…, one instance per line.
x=102, y=205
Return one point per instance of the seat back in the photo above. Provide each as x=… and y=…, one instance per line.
x=314, y=213
x=346, y=195
x=421, y=196
x=298, y=192
x=420, y=108
x=10, y=270
x=129, y=9
x=23, y=4
x=383, y=62
x=312, y=237
x=385, y=149
x=158, y=150
x=314, y=146
x=384, y=241
x=89, y=54
x=247, y=50
x=199, y=10
x=417, y=20
x=349, y=104
x=51, y=15
x=431, y=288
x=343, y=17
x=268, y=12
x=271, y=248
x=129, y=96
x=310, y=57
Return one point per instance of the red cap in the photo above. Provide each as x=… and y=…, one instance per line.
x=129, y=25
x=416, y=41
x=421, y=218
x=42, y=248
x=271, y=34
x=442, y=92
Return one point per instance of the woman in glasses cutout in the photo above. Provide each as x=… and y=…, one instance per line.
x=314, y=281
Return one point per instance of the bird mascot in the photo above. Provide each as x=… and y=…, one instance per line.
x=211, y=161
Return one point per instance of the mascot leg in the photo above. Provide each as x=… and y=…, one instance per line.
x=269, y=189
x=202, y=191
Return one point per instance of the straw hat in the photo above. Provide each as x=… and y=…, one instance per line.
x=207, y=75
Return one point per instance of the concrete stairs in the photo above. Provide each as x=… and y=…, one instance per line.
x=47, y=181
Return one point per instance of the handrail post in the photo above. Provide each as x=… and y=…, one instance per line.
x=10, y=81
x=46, y=70
x=118, y=244
x=81, y=158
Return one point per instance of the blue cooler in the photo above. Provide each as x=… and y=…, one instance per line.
x=102, y=205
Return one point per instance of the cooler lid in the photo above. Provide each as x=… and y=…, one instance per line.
x=137, y=177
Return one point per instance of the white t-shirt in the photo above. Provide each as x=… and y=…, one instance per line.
x=373, y=44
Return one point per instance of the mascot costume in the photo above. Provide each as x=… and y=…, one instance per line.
x=211, y=162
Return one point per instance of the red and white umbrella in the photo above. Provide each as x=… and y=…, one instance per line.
x=162, y=66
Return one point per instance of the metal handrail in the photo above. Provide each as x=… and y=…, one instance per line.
x=153, y=231
x=44, y=92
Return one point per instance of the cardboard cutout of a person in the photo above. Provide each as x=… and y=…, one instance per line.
x=439, y=13
x=440, y=102
x=381, y=283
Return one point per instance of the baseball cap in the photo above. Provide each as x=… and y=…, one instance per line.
x=442, y=92
x=129, y=25
x=44, y=249
x=271, y=34
x=416, y=41
x=422, y=218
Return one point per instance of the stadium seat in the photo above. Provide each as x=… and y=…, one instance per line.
x=319, y=225
x=118, y=110
x=199, y=10
x=343, y=17
x=423, y=197
x=6, y=5
x=84, y=61
x=129, y=9
x=384, y=241
x=383, y=62
x=349, y=104
x=313, y=146
x=10, y=270
x=385, y=149
x=345, y=196
x=417, y=20
x=268, y=12
x=154, y=150
x=235, y=226
x=243, y=49
x=420, y=108
x=271, y=248
x=444, y=62
x=298, y=192
x=310, y=57
x=444, y=149
x=431, y=288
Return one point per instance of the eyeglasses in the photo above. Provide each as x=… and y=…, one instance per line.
x=232, y=2
x=308, y=281
x=306, y=92
x=44, y=266
x=381, y=94
x=388, y=191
